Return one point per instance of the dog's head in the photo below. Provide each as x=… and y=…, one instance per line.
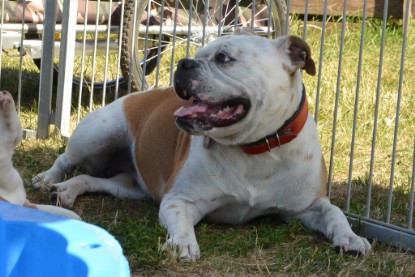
x=11, y=129
x=244, y=87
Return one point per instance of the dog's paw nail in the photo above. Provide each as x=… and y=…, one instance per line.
x=184, y=259
x=353, y=252
x=54, y=198
x=188, y=259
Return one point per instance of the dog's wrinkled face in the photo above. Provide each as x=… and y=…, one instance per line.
x=11, y=130
x=244, y=87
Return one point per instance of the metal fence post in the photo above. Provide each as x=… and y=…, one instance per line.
x=66, y=60
x=46, y=72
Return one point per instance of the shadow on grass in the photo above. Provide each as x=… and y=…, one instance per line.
x=378, y=200
x=30, y=83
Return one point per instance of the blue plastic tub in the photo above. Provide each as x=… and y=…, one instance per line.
x=35, y=243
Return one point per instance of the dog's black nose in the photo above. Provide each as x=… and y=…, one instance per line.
x=186, y=64
x=185, y=73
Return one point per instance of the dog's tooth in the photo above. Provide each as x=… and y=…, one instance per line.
x=227, y=109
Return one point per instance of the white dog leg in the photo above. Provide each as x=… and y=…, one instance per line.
x=330, y=220
x=91, y=145
x=179, y=216
x=121, y=186
x=55, y=174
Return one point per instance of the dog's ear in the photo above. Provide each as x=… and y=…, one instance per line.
x=243, y=31
x=299, y=54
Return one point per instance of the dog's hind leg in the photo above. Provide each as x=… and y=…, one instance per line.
x=55, y=174
x=97, y=144
x=121, y=186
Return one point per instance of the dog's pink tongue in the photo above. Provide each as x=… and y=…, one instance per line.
x=190, y=110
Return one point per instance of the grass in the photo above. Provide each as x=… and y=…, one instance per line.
x=266, y=246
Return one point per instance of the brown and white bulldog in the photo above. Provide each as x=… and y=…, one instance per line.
x=246, y=147
x=11, y=184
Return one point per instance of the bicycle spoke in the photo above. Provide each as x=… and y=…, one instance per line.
x=187, y=25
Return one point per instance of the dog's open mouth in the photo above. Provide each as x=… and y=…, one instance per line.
x=205, y=116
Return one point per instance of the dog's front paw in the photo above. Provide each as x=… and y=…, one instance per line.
x=184, y=249
x=351, y=243
x=46, y=179
x=63, y=195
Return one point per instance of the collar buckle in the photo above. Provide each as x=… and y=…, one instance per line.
x=278, y=139
x=269, y=146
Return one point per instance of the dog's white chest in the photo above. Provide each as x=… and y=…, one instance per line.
x=275, y=189
x=251, y=186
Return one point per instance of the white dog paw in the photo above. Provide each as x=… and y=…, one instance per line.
x=38, y=181
x=181, y=250
x=62, y=195
x=351, y=243
x=46, y=179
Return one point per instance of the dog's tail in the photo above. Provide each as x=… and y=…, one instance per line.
x=54, y=210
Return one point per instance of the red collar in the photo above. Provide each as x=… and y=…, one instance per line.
x=289, y=131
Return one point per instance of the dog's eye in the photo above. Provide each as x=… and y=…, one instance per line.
x=223, y=57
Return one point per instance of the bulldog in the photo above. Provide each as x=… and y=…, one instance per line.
x=11, y=184
x=246, y=145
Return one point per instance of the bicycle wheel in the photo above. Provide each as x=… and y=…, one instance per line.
x=156, y=34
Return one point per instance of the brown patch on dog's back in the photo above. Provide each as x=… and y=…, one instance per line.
x=182, y=152
x=160, y=147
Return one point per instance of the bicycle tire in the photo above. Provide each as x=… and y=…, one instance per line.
x=133, y=60
x=131, y=64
